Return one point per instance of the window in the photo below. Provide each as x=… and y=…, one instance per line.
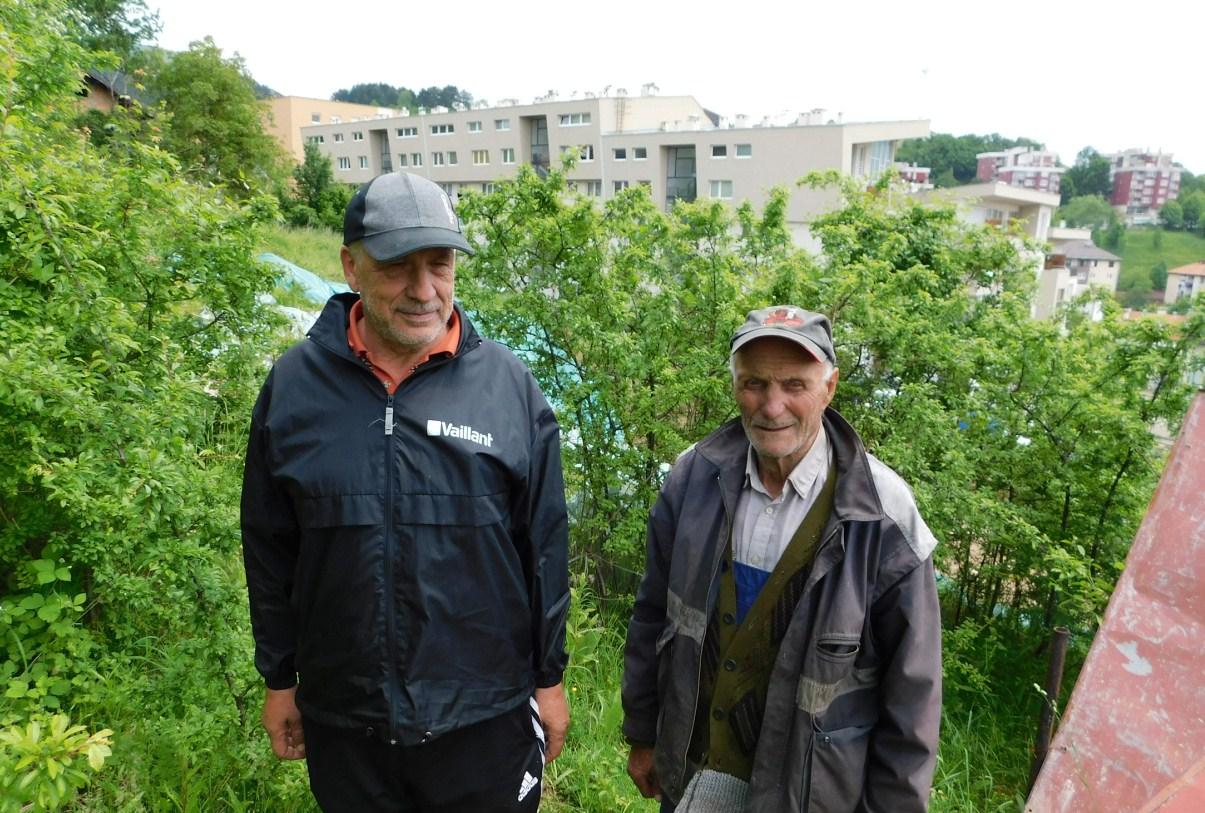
x=744, y=150
x=316, y=139
x=508, y=155
x=344, y=163
x=721, y=189
x=358, y=135
x=401, y=159
x=586, y=152
x=639, y=153
x=719, y=150
x=501, y=124
x=594, y=189
x=442, y=129
x=338, y=138
x=574, y=119
x=316, y=118
x=363, y=162
x=620, y=153
x=487, y=187
x=447, y=188
x=437, y=159
x=474, y=127
x=416, y=159
x=619, y=186
x=481, y=157
x=407, y=132
x=452, y=158
x=336, y=119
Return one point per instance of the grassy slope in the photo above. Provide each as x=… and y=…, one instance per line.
x=315, y=250
x=1140, y=254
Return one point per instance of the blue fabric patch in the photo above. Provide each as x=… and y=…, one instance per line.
x=749, y=582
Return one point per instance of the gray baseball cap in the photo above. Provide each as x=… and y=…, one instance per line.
x=397, y=214
x=809, y=330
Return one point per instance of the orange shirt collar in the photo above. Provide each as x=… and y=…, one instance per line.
x=392, y=376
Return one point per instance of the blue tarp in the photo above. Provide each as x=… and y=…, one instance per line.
x=312, y=286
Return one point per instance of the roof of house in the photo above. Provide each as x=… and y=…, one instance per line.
x=1190, y=270
x=1085, y=250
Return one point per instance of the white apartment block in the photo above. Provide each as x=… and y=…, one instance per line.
x=669, y=144
x=1004, y=206
x=288, y=114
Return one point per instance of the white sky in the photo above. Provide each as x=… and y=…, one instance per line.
x=1069, y=73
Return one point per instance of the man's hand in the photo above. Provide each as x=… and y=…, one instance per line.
x=282, y=721
x=643, y=772
x=554, y=713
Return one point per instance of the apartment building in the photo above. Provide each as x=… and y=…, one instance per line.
x=290, y=113
x=670, y=144
x=999, y=204
x=1142, y=182
x=1021, y=166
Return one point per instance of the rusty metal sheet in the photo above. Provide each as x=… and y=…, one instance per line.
x=1133, y=736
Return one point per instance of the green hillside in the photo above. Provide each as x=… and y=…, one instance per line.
x=1141, y=253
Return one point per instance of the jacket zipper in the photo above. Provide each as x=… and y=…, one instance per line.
x=390, y=611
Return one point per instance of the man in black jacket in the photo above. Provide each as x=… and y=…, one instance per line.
x=405, y=535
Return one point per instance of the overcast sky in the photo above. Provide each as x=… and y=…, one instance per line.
x=1070, y=73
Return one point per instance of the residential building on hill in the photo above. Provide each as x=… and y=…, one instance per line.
x=1142, y=182
x=670, y=144
x=291, y=113
x=1186, y=280
x=1073, y=267
x=1021, y=166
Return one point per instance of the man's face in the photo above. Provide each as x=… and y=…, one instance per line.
x=782, y=394
x=407, y=303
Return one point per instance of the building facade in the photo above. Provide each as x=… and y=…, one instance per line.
x=1187, y=280
x=288, y=114
x=669, y=144
x=1021, y=166
x=1142, y=182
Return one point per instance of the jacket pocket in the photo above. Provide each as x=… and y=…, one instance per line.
x=838, y=769
x=340, y=511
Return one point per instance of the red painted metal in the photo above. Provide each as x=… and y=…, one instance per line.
x=1133, y=737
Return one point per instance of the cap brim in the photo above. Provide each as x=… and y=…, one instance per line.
x=776, y=333
x=392, y=245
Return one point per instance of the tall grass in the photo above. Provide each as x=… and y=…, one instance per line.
x=315, y=250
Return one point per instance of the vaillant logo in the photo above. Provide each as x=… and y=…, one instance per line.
x=436, y=428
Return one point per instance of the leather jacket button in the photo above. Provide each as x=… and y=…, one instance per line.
x=729, y=618
x=368, y=732
x=730, y=665
x=718, y=714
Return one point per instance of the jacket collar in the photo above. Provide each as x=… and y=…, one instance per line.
x=330, y=331
x=856, y=498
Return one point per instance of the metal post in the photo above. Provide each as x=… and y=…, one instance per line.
x=1054, y=681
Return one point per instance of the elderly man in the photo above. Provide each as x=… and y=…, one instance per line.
x=785, y=648
x=405, y=535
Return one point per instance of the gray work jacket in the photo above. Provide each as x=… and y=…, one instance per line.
x=852, y=715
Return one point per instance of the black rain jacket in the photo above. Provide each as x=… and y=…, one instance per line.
x=406, y=555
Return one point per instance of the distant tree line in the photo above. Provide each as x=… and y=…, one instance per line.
x=386, y=95
x=952, y=158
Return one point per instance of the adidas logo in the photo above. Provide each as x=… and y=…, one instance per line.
x=435, y=428
x=529, y=782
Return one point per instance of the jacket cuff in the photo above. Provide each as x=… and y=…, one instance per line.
x=638, y=733
x=281, y=681
x=546, y=680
